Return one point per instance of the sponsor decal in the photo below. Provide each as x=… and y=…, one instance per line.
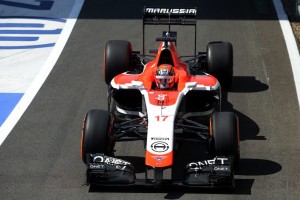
x=198, y=165
x=105, y=160
x=159, y=138
x=159, y=146
x=162, y=99
x=221, y=168
x=171, y=11
x=110, y=160
x=159, y=158
x=96, y=166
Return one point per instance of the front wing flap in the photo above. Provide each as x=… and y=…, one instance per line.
x=102, y=169
x=217, y=172
x=105, y=170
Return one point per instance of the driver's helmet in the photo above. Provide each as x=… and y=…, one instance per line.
x=165, y=76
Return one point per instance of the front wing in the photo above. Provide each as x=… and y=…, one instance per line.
x=105, y=170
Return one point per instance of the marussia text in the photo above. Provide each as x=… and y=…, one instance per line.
x=171, y=11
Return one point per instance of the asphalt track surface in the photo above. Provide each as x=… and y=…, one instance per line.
x=40, y=157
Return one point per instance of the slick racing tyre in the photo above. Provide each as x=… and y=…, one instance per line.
x=117, y=55
x=220, y=62
x=225, y=134
x=94, y=137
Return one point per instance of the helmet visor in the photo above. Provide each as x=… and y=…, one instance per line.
x=164, y=82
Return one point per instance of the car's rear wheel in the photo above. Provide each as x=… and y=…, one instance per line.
x=225, y=134
x=95, y=134
x=220, y=62
x=117, y=55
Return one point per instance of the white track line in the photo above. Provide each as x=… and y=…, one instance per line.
x=290, y=44
x=30, y=93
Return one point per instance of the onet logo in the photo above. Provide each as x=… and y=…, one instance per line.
x=159, y=146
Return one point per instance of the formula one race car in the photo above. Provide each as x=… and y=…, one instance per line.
x=163, y=102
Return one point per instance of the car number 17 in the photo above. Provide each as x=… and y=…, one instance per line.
x=161, y=118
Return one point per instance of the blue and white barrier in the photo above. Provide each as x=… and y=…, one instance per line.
x=33, y=34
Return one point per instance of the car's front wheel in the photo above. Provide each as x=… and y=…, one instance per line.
x=225, y=134
x=95, y=134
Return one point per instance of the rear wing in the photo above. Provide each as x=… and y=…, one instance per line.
x=169, y=16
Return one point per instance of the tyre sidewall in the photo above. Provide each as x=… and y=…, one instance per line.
x=225, y=134
x=220, y=62
x=117, y=55
x=95, y=138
